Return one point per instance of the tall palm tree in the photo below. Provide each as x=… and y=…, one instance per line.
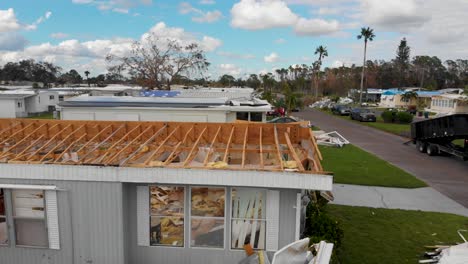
x=87, y=77
x=368, y=35
x=322, y=52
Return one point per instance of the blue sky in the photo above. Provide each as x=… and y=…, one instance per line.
x=240, y=37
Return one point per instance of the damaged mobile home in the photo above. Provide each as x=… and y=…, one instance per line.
x=113, y=192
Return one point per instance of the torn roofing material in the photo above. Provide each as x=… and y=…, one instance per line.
x=229, y=146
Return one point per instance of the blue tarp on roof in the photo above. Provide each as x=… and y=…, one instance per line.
x=420, y=93
x=157, y=93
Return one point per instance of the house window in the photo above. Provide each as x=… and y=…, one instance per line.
x=248, y=218
x=29, y=218
x=167, y=216
x=51, y=97
x=242, y=116
x=19, y=104
x=207, y=212
x=256, y=116
x=3, y=222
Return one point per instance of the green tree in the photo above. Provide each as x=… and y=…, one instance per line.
x=408, y=96
x=227, y=80
x=368, y=35
x=322, y=52
x=87, y=77
x=402, y=60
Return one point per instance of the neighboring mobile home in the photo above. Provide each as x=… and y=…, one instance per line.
x=151, y=192
x=23, y=103
x=449, y=104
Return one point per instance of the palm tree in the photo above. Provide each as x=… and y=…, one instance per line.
x=406, y=97
x=322, y=52
x=368, y=35
x=87, y=77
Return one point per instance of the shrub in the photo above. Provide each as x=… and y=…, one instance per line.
x=319, y=225
x=35, y=85
x=388, y=116
x=404, y=117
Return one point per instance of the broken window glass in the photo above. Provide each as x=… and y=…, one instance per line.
x=167, y=215
x=207, y=217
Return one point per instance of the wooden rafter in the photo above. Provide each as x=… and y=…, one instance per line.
x=20, y=155
x=293, y=152
x=314, y=143
x=9, y=127
x=277, y=147
x=190, y=157
x=260, y=141
x=226, y=152
x=25, y=138
x=61, y=143
x=161, y=145
x=96, y=137
x=174, y=152
x=69, y=147
x=142, y=146
x=50, y=141
x=111, y=148
x=244, y=145
x=102, y=142
x=211, y=150
x=112, y=158
x=16, y=133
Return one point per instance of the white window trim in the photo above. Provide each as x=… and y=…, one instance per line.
x=225, y=218
x=150, y=215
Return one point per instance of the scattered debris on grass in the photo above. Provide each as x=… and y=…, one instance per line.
x=333, y=139
x=444, y=254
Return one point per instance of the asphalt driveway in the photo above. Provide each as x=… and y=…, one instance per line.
x=446, y=174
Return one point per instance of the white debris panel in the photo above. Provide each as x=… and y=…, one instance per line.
x=457, y=254
x=333, y=139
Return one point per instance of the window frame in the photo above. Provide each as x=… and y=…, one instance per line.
x=150, y=215
x=231, y=219
x=225, y=218
x=44, y=219
x=5, y=216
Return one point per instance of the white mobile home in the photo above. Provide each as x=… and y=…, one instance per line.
x=178, y=109
x=22, y=103
x=151, y=192
x=449, y=104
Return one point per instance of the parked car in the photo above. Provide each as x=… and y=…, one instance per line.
x=276, y=112
x=341, y=110
x=362, y=114
x=286, y=119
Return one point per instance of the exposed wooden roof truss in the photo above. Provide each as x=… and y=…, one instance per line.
x=234, y=146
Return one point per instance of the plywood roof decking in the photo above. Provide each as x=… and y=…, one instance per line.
x=234, y=146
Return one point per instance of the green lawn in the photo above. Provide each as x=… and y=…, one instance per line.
x=392, y=236
x=397, y=129
x=352, y=165
x=43, y=116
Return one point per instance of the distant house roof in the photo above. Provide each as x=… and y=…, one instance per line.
x=420, y=93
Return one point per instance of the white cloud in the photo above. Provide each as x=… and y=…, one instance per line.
x=315, y=27
x=230, y=69
x=119, y=6
x=208, y=17
x=235, y=55
x=262, y=14
x=402, y=14
x=8, y=21
x=120, y=10
x=201, y=16
x=273, y=57
x=59, y=35
x=207, y=2
x=12, y=42
x=328, y=11
x=41, y=19
x=280, y=41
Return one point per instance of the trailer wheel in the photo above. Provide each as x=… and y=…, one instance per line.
x=431, y=150
x=421, y=146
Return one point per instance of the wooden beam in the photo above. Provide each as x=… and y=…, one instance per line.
x=147, y=161
x=23, y=152
x=277, y=147
x=61, y=142
x=16, y=133
x=244, y=145
x=189, y=159
x=111, y=148
x=293, y=152
x=26, y=137
x=69, y=147
x=10, y=127
x=226, y=152
x=109, y=160
x=47, y=143
x=262, y=164
x=143, y=145
x=96, y=136
x=102, y=142
x=314, y=143
x=211, y=147
x=173, y=154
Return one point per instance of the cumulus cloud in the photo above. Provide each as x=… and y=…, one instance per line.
x=41, y=19
x=121, y=10
x=230, y=69
x=12, y=42
x=316, y=27
x=119, y=6
x=200, y=16
x=59, y=35
x=235, y=55
x=273, y=57
x=396, y=13
x=263, y=14
x=8, y=21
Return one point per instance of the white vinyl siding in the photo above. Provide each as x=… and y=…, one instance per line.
x=52, y=219
x=272, y=215
x=143, y=224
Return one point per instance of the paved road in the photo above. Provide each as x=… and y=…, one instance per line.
x=447, y=175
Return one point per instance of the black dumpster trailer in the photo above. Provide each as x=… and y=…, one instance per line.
x=434, y=136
